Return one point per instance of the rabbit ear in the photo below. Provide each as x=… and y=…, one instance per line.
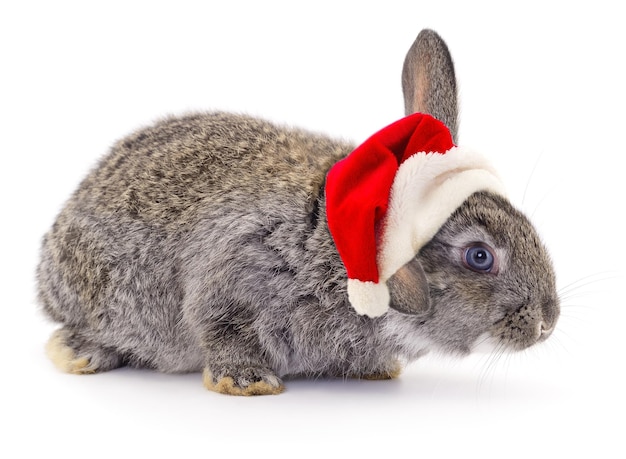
x=408, y=289
x=428, y=80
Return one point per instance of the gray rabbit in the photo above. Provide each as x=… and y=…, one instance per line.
x=202, y=243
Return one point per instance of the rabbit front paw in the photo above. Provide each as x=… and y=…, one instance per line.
x=242, y=380
x=389, y=371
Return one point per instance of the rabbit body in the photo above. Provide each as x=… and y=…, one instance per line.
x=201, y=243
x=202, y=223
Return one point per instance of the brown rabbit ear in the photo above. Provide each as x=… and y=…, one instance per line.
x=429, y=81
x=408, y=289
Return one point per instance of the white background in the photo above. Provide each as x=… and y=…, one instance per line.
x=542, y=93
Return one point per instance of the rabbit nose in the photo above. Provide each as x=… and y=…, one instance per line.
x=550, y=310
x=545, y=329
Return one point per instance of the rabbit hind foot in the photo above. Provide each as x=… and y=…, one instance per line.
x=72, y=355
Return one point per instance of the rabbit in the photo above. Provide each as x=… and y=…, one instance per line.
x=202, y=244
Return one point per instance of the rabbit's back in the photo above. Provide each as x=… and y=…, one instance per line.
x=168, y=204
x=166, y=174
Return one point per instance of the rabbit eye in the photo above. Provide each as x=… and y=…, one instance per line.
x=480, y=258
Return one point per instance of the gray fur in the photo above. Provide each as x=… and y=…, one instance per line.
x=201, y=243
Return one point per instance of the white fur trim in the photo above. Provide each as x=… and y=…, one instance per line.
x=368, y=298
x=427, y=189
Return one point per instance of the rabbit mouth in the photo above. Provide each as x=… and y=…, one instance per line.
x=529, y=325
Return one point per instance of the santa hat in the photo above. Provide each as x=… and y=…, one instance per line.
x=390, y=196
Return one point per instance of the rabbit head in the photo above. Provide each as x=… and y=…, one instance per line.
x=484, y=278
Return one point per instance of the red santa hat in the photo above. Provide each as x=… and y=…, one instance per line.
x=390, y=196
